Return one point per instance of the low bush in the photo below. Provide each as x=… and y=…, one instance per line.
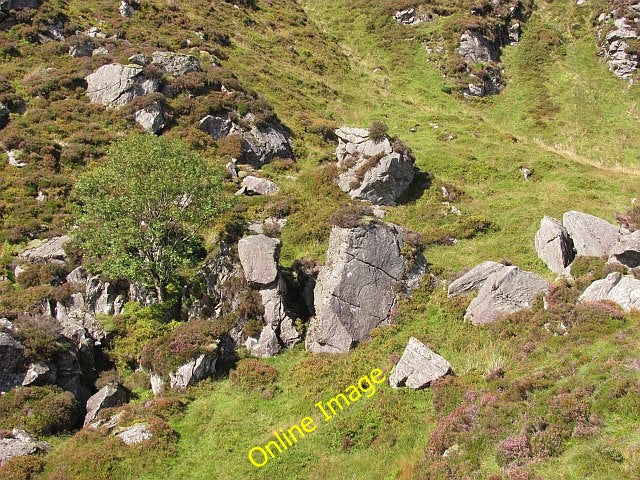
x=22, y=468
x=378, y=131
x=253, y=374
x=351, y=216
x=188, y=341
x=38, y=410
x=41, y=337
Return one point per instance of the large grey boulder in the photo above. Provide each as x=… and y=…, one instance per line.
x=474, y=278
x=259, y=256
x=507, y=291
x=418, y=366
x=115, y=85
x=627, y=251
x=554, y=245
x=107, y=397
x=623, y=290
x=356, y=291
x=188, y=374
x=151, y=118
x=20, y=444
x=369, y=169
x=475, y=48
x=51, y=251
x=252, y=185
x=12, y=362
x=592, y=236
x=176, y=64
x=266, y=345
x=135, y=434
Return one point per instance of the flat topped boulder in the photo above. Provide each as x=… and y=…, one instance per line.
x=370, y=169
x=554, y=245
x=507, y=291
x=474, y=278
x=259, y=258
x=418, y=366
x=592, y=236
x=623, y=290
x=252, y=185
x=135, y=434
x=356, y=291
x=51, y=251
x=176, y=64
x=115, y=85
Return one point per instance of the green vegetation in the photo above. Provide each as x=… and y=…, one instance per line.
x=140, y=213
x=552, y=393
x=39, y=410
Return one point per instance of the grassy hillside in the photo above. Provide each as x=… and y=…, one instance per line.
x=326, y=63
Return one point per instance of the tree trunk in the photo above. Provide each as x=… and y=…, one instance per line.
x=161, y=291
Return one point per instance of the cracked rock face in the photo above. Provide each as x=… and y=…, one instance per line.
x=474, y=278
x=107, y=397
x=12, y=361
x=258, y=256
x=356, y=291
x=623, y=290
x=418, y=366
x=554, y=245
x=622, y=27
x=115, y=85
x=507, y=291
x=475, y=48
x=592, y=236
x=52, y=251
x=369, y=169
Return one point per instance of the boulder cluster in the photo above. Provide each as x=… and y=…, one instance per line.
x=619, y=33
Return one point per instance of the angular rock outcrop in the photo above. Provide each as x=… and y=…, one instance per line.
x=218, y=126
x=260, y=143
x=627, y=251
x=51, y=251
x=12, y=362
x=356, y=291
x=115, y=85
x=370, y=169
x=475, y=48
x=474, y=278
x=128, y=7
x=411, y=16
x=623, y=290
x=138, y=433
x=619, y=30
x=188, y=374
x=176, y=64
x=151, y=118
x=592, y=236
x=20, y=444
x=39, y=374
x=252, y=185
x=554, y=245
x=107, y=397
x=259, y=256
x=507, y=291
x=418, y=366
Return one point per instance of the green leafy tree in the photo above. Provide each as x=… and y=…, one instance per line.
x=140, y=214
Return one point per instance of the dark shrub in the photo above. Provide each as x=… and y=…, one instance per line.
x=22, y=468
x=378, y=131
x=253, y=374
x=513, y=449
x=351, y=216
x=188, y=341
x=630, y=219
x=38, y=410
x=41, y=337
